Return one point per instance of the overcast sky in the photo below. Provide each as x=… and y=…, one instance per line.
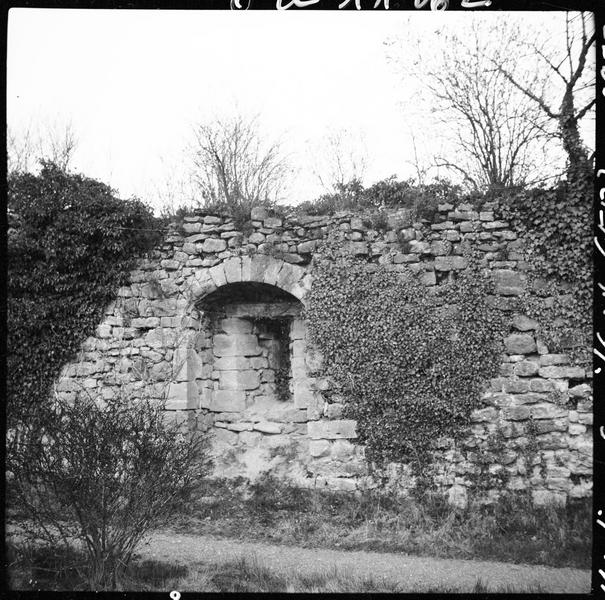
x=133, y=82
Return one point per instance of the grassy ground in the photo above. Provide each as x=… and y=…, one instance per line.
x=512, y=530
x=44, y=569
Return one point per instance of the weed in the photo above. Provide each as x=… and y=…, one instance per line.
x=511, y=530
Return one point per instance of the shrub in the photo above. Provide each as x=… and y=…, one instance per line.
x=421, y=200
x=71, y=246
x=103, y=474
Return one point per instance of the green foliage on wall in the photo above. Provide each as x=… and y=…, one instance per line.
x=410, y=360
x=421, y=200
x=556, y=225
x=71, y=247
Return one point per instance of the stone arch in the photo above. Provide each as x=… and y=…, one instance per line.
x=260, y=268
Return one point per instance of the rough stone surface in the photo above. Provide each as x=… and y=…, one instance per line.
x=221, y=370
x=520, y=343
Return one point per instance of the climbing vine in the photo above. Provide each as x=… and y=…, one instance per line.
x=70, y=246
x=410, y=360
x=556, y=226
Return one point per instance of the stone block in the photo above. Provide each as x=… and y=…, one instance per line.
x=232, y=363
x=576, y=429
x=520, y=343
x=236, y=345
x=259, y=213
x=272, y=222
x=236, y=325
x=224, y=437
x=240, y=426
x=256, y=238
x=548, y=426
x=428, y=278
x=342, y=450
x=547, y=497
x=562, y=372
x=508, y=282
x=547, y=410
x=334, y=411
x=516, y=413
x=541, y=385
x=547, y=360
x=303, y=397
x=450, y=263
x=484, y=415
x=268, y=427
x=523, y=323
x=177, y=396
x=552, y=441
x=217, y=274
x=228, y=401
x=356, y=248
x=307, y=247
x=273, y=270
x=233, y=270
x=214, y=245
x=250, y=438
x=525, y=368
x=331, y=430
x=192, y=227
x=580, y=391
x=516, y=386
x=239, y=380
x=289, y=276
x=319, y=448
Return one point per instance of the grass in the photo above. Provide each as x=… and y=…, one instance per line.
x=43, y=568
x=511, y=530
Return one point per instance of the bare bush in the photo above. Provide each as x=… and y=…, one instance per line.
x=234, y=166
x=103, y=474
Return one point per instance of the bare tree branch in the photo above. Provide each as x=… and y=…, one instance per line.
x=233, y=166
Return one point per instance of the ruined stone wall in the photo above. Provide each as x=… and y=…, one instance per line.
x=210, y=319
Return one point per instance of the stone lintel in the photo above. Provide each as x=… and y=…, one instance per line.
x=264, y=309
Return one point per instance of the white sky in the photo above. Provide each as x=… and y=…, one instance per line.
x=133, y=82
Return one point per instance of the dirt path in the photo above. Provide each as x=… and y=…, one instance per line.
x=412, y=572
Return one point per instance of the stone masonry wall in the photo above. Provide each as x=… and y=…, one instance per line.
x=218, y=368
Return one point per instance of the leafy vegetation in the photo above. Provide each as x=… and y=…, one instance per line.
x=410, y=361
x=421, y=200
x=71, y=246
x=511, y=530
x=555, y=225
x=101, y=471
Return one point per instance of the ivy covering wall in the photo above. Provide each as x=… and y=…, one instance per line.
x=410, y=360
x=71, y=245
x=556, y=226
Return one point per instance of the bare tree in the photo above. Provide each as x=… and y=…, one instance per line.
x=570, y=67
x=54, y=142
x=234, y=166
x=339, y=158
x=495, y=135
